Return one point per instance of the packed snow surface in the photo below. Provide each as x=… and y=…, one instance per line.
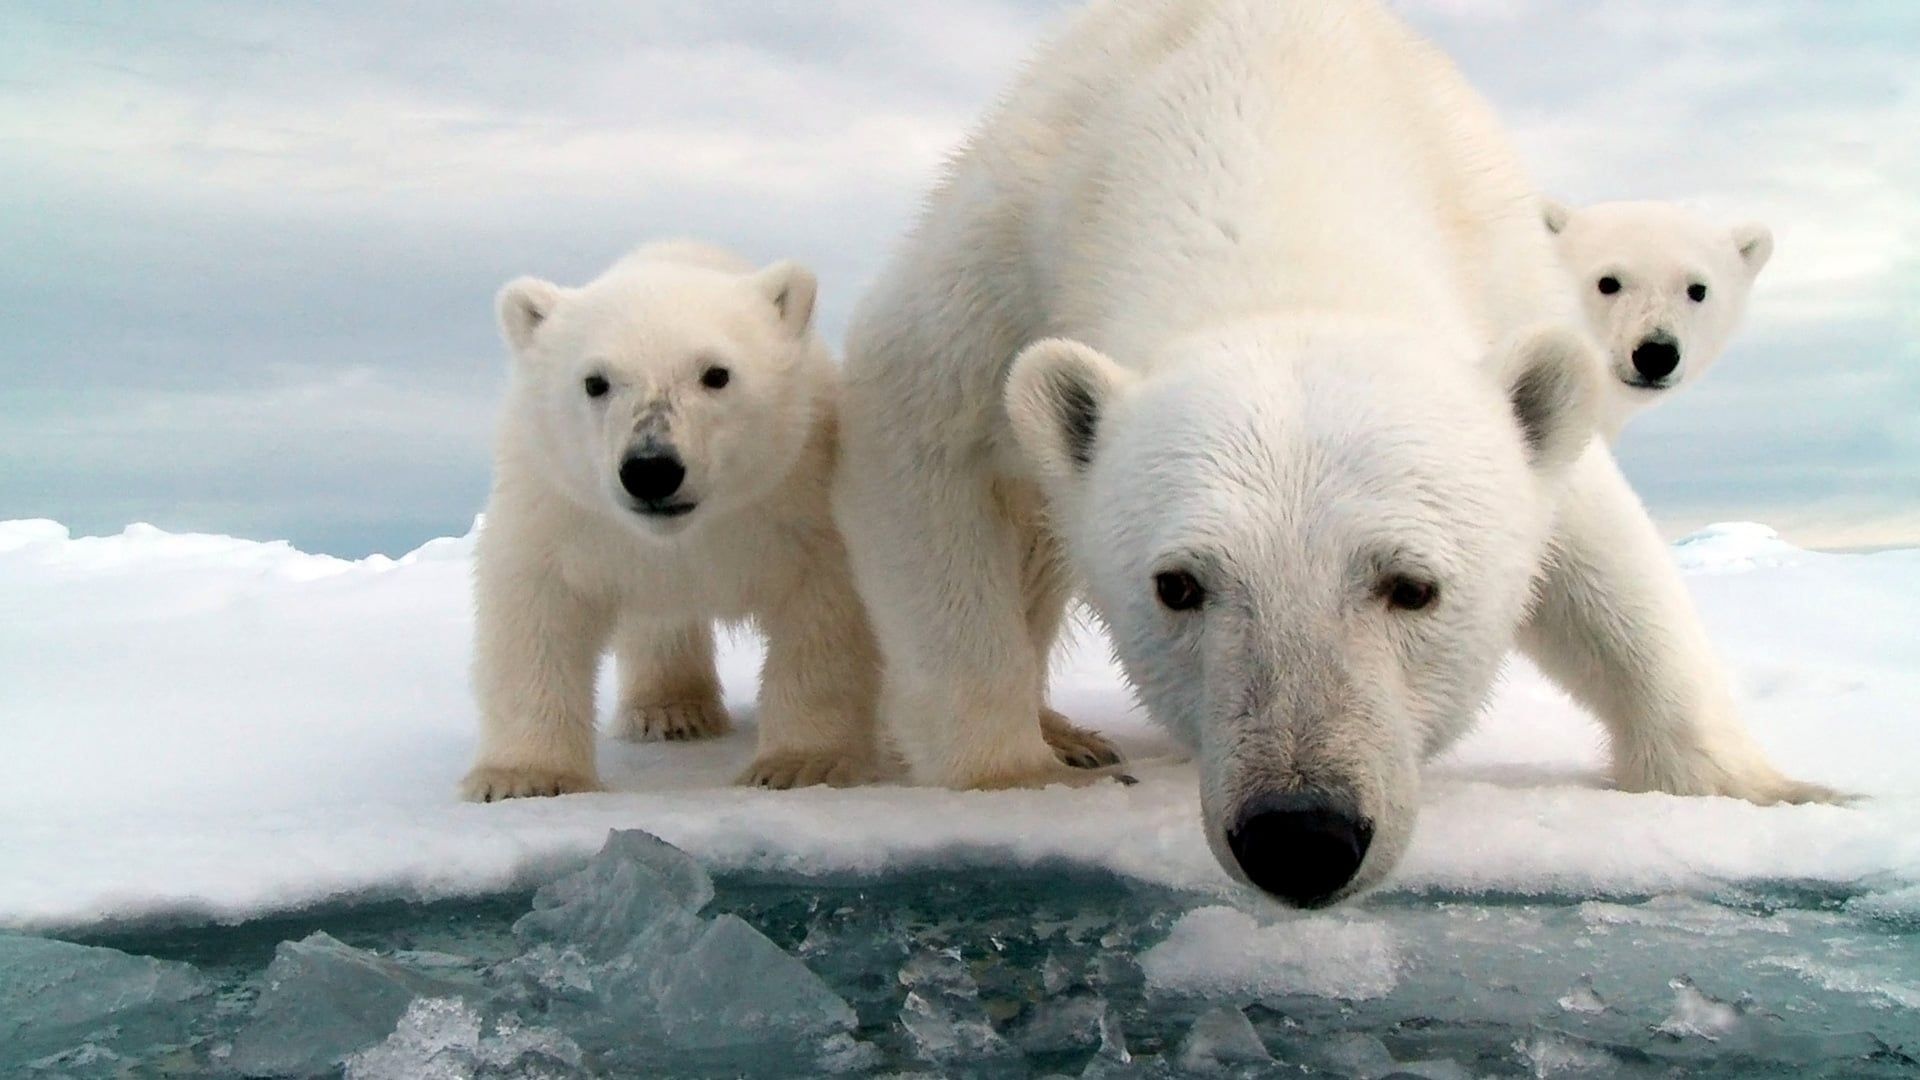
x=202, y=728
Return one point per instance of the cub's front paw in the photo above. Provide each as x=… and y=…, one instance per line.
x=489, y=783
x=680, y=721
x=798, y=768
x=1077, y=746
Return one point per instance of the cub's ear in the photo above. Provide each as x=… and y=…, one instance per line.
x=1555, y=214
x=1754, y=242
x=791, y=289
x=1058, y=393
x=523, y=306
x=1552, y=381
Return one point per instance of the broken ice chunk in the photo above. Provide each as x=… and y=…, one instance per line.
x=635, y=881
x=1355, y=1054
x=1114, y=1059
x=1696, y=1015
x=1220, y=1038
x=735, y=987
x=56, y=996
x=943, y=1015
x=1434, y=1069
x=446, y=1039
x=323, y=1000
x=1584, y=999
x=1060, y=1024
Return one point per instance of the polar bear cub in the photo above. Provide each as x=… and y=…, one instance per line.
x=663, y=463
x=1663, y=289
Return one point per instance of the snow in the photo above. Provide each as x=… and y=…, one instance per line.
x=205, y=728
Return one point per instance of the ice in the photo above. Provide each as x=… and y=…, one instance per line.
x=58, y=998
x=621, y=949
x=943, y=1015
x=1062, y=1022
x=736, y=987
x=1221, y=1037
x=449, y=1039
x=634, y=884
x=1549, y=1054
x=324, y=1000
x=1220, y=950
x=1583, y=999
x=1697, y=1015
x=1356, y=1055
x=1535, y=923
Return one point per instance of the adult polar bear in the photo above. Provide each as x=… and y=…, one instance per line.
x=1316, y=451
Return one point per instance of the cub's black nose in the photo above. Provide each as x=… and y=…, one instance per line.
x=1302, y=847
x=1656, y=358
x=652, y=478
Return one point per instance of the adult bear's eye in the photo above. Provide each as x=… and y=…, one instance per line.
x=1609, y=285
x=1178, y=590
x=1697, y=293
x=596, y=386
x=1409, y=594
x=715, y=377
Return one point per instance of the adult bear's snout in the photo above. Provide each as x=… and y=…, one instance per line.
x=1303, y=847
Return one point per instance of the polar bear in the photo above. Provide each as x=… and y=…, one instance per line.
x=1237, y=318
x=663, y=462
x=1663, y=289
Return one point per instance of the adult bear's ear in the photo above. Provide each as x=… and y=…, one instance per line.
x=1552, y=381
x=523, y=306
x=1058, y=394
x=791, y=289
x=1754, y=242
x=1555, y=214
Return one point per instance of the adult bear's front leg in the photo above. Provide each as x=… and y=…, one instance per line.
x=938, y=563
x=1616, y=627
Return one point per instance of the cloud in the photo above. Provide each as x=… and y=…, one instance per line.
x=249, y=250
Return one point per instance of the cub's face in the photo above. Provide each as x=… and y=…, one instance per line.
x=666, y=394
x=1311, y=551
x=1663, y=291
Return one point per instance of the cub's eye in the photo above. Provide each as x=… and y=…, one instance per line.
x=715, y=377
x=1178, y=590
x=596, y=386
x=1609, y=285
x=1409, y=594
x=1697, y=293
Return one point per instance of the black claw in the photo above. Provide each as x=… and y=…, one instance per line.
x=1129, y=781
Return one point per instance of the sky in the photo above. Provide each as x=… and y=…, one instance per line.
x=248, y=251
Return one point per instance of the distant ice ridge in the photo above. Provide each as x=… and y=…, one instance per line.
x=1733, y=546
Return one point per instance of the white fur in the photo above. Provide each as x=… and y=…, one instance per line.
x=1656, y=251
x=1302, y=295
x=567, y=565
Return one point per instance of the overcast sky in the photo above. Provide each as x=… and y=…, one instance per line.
x=248, y=251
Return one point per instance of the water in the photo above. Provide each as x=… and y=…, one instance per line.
x=629, y=969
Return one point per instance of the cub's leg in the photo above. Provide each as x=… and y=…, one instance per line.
x=819, y=685
x=1616, y=627
x=669, y=688
x=537, y=648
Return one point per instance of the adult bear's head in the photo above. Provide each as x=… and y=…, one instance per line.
x=1311, y=543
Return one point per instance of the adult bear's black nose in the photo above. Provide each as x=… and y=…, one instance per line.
x=1302, y=847
x=652, y=477
x=1656, y=358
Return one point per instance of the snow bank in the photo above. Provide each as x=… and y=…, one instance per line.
x=200, y=727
